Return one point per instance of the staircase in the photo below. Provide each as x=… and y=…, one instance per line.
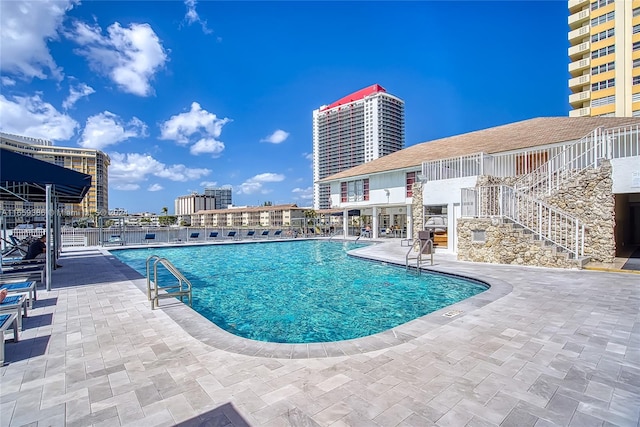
x=524, y=203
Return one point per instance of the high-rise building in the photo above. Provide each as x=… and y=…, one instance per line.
x=187, y=205
x=85, y=160
x=222, y=196
x=604, y=58
x=356, y=129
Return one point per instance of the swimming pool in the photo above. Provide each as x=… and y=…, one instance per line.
x=303, y=291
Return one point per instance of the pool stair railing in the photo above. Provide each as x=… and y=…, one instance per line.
x=156, y=291
x=420, y=250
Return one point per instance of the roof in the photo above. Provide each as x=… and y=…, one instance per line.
x=355, y=96
x=23, y=177
x=514, y=136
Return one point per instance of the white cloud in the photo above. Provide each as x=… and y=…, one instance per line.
x=197, y=124
x=308, y=156
x=303, y=193
x=208, y=184
x=6, y=81
x=276, y=137
x=25, y=29
x=106, y=129
x=31, y=116
x=126, y=187
x=207, y=145
x=192, y=16
x=75, y=93
x=129, y=56
x=255, y=184
x=129, y=169
x=155, y=187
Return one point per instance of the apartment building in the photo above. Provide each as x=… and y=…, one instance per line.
x=221, y=195
x=88, y=161
x=604, y=58
x=251, y=216
x=356, y=129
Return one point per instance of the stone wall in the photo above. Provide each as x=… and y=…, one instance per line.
x=417, y=208
x=586, y=196
x=504, y=244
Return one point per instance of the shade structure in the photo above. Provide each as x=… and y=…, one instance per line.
x=352, y=212
x=25, y=178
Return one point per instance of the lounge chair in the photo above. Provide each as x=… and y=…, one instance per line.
x=15, y=304
x=7, y=321
x=251, y=233
x=265, y=233
x=277, y=233
x=231, y=235
x=149, y=236
x=21, y=274
x=115, y=239
x=23, y=287
x=194, y=236
x=213, y=235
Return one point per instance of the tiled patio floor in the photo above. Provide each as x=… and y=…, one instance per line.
x=542, y=347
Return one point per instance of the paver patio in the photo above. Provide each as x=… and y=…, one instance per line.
x=542, y=347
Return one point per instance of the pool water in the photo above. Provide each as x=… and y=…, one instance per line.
x=302, y=291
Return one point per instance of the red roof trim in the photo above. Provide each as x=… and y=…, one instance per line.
x=360, y=94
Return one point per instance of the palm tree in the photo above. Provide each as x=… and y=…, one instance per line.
x=165, y=210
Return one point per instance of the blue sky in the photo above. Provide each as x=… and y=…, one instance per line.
x=185, y=94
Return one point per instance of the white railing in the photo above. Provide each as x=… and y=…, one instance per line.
x=456, y=167
x=589, y=151
x=549, y=223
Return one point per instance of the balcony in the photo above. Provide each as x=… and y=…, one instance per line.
x=577, y=19
x=580, y=33
x=580, y=112
x=579, y=81
x=576, y=5
x=575, y=52
x=577, y=99
x=578, y=66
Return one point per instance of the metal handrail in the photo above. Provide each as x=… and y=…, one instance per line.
x=423, y=244
x=180, y=290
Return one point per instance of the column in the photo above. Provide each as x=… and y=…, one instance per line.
x=374, y=224
x=345, y=222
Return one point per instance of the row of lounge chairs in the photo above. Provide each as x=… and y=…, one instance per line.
x=215, y=235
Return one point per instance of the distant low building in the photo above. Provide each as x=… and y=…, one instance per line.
x=254, y=216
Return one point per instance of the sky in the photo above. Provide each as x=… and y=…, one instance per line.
x=187, y=94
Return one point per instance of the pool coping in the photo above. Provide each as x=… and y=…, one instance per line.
x=210, y=334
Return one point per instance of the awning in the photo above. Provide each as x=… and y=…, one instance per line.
x=25, y=178
x=352, y=212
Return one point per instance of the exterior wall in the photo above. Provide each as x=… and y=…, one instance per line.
x=626, y=175
x=504, y=245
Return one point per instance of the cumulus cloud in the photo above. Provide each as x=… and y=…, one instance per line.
x=255, y=184
x=303, y=193
x=25, y=28
x=208, y=184
x=155, y=187
x=106, y=129
x=191, y=17
x=196, y=125
x=75, y=93
x=7, y=81
x=31, y=116
x=129, y=169
x=130, y=57
x=276, y=137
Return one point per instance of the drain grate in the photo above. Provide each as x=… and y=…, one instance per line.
x=452, y=313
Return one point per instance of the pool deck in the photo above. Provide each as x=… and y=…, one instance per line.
x=542, y=347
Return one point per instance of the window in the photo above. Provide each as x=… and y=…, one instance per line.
x=636, y=46
x=636, y=63
x=636, y=80
x=636, y=29
x=603, y=68
x=603, y=101
x=603, y=84
x=600, y=3
x=605, y=35
x=603, y=52
x=354, y=191
x=636, y=11
x=602, y=19
x=411, y=178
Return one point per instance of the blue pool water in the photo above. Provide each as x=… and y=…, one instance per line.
x=303, y=291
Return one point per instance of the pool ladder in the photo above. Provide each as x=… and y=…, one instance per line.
x=154, y=291
x=425, y=247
